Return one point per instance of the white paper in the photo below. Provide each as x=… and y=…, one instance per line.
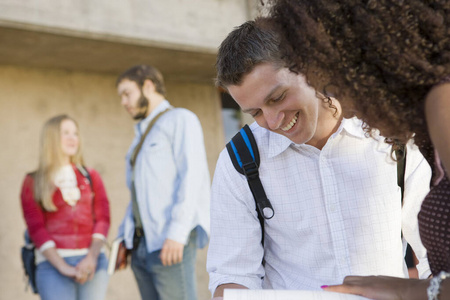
x=242, y=294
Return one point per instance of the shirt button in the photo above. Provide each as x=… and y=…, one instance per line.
x=332, y=208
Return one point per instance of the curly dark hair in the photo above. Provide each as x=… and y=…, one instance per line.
x=378, y=57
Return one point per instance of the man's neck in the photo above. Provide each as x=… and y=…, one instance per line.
x=329, y=121
x=154, y=103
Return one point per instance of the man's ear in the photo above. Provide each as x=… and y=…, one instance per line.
x=148, y=88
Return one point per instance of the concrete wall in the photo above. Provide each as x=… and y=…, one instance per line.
x=179, y=23
x=28, y=97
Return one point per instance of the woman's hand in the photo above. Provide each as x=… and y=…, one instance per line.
x=85, y=270
x=382, y=287
x=88, y=265
x=59, y=263
x=67, y=270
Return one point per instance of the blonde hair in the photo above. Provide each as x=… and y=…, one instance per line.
x=51, y=159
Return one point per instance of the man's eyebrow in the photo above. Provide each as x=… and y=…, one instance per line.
x=267, y=98
x=125, y=90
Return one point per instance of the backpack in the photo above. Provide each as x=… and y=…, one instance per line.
x=244, y=154
x=29, y=263
x=28, y=250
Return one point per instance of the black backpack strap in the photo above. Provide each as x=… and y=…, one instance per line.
x=244, y=154
x=86, y=174
x=400, y=154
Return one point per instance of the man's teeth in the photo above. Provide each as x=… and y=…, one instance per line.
x=292, y=123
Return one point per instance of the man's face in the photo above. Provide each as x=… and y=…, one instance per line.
x=132, y=99
x=280, y=101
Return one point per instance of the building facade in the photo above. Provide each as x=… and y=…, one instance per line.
x=63, y=57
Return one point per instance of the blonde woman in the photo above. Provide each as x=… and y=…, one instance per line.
x=67, y=216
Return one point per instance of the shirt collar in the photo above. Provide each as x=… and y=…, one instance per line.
x=141, y=126
x=353, y=126
x=279, y=143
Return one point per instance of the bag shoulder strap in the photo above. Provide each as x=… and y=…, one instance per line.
x=135, y=206
x=83, y=170
x=244, y=155
x=400, y=154
x=141, y=141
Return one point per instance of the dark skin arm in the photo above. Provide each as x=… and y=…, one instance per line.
x=437, y=112
x=218, y=293
x=388, y=288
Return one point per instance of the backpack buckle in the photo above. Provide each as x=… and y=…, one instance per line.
x=265, y=208
x=250, y=170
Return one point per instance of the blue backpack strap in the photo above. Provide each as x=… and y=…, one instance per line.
x=244, y=154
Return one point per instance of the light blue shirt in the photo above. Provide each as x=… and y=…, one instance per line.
x=171, y=178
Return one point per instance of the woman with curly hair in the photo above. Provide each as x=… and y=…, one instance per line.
x=388, y=61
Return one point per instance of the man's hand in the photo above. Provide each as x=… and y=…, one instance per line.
x=122, y=257
x=171, y=253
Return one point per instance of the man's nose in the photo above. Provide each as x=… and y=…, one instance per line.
x=274, y=119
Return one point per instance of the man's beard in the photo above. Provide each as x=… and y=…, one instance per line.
x=142, y=108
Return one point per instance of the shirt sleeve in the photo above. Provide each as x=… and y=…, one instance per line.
x=121, y=229
x=193, y=175
x=33, y=214
x=235, y=252
x=101, y=205
x=417, y=182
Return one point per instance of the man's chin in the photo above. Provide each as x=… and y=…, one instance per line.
x=297, y=139
x=138, y=116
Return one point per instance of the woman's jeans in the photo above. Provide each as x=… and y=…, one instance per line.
x=54, y=286
x=158, y=282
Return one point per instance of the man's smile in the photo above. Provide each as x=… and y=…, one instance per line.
x=291, y=123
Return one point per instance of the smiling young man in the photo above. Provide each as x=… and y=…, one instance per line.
x=168, y=216
x=282, y=102
x=334, y=190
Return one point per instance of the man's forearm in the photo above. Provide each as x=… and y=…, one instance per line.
x=219, y=290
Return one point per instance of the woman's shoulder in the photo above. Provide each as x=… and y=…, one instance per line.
x=89, y=172
x=30, y=176
x=28, y=182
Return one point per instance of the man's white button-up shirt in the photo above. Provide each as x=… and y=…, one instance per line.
x=337, y=210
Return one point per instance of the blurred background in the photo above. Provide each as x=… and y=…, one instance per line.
x=63, y=56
